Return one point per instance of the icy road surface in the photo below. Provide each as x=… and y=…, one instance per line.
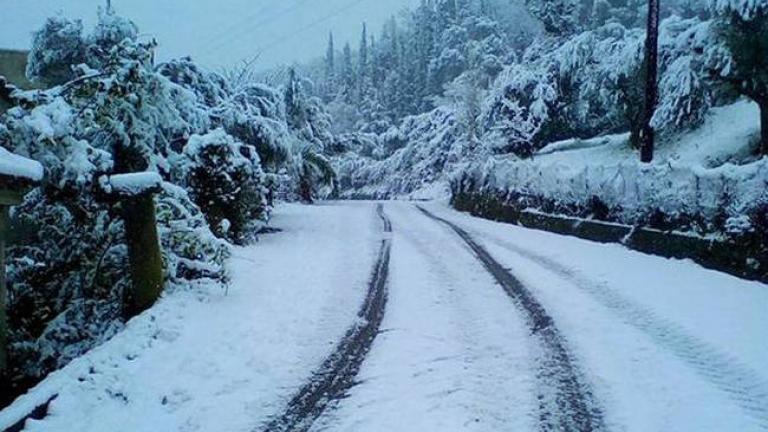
x=486, y=327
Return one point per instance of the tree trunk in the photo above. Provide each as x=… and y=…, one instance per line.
x=634, y=137
x=145, y=258
x=763, y=127
x=651, y=81
x=305, y=190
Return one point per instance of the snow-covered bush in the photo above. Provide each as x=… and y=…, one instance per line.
x=66, y=277
x=191, y=250
x=224, y=178
x=56, y=48
x=109, y=111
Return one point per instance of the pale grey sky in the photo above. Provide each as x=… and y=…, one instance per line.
x=217, y=32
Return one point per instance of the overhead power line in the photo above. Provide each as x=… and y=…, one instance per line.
x=282, y=39
x=248, y=25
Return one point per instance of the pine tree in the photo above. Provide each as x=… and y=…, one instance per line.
x=347, y=73
x=362, y=70
x=330, y=67
x=295, y=111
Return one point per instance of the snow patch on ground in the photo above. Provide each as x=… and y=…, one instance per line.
x=728, y=134
x=211, y=359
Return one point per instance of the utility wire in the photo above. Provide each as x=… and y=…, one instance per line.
x=282, y=39
x=246, y=26
x=239, y=24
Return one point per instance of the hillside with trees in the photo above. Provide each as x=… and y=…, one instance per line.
x=504, y=89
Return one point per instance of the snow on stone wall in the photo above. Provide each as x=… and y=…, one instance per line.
x=635, y=188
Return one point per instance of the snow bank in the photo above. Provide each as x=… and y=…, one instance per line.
x=704, y=172
x=12, y=165
x=637, y=189
x=131, y=184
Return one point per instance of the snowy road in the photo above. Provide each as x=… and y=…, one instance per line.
x=481, y=327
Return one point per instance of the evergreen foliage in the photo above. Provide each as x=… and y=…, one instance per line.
x=223, y=146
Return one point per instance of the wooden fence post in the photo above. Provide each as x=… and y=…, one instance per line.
x=145, y=260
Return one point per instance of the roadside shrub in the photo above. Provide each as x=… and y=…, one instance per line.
x=225, y=179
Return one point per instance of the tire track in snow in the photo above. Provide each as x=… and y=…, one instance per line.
x=744, y=386
x=566, y=402
x=337, y=373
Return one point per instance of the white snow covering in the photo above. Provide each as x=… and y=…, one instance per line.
x=665, y=344
x=12, y=165
x=729, y=133
x=51, y=121
x=452, y=354
x=694, y=172
x=748, y=9
x=131, y=184
x=210, y=360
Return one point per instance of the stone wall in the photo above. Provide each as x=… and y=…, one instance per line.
x=745, y=261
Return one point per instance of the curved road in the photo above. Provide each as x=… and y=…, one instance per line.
x=469, y=345
x=393, y=317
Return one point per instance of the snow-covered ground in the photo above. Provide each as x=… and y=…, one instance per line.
x=668, y=345
x=453, y=354
x=729, y=134
x=216, y=361
x=663, y=345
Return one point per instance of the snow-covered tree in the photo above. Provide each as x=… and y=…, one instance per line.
x=56, y=48
x=742, y=26
x=520, y=103
x=330, y=66
x=113, y=111
x=559, y=17
x=348, y=77
x=363, y=67
x=686, y=90
x=465, y=94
